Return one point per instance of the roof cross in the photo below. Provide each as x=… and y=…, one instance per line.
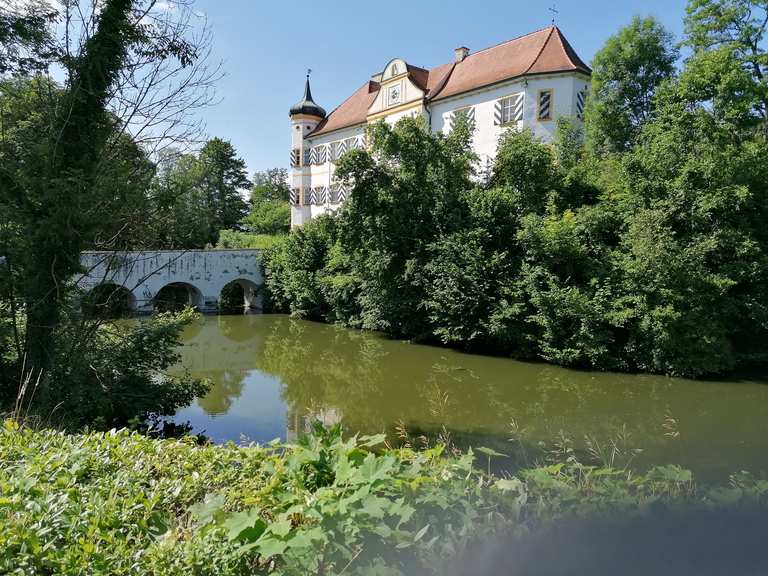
x=555, y=12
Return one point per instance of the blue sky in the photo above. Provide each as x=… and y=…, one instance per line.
x=266, y=47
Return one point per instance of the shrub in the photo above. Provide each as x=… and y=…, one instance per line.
x=232, y=239
x=118, y=503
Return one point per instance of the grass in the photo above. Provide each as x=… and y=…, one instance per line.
x=231, y=239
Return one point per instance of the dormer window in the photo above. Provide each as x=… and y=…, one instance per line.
x=393, y=69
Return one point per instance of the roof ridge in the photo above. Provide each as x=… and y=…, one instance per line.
x=541, y=50
x=573, y=56
x=324, y=121
x=443, y=81
x=512, y=40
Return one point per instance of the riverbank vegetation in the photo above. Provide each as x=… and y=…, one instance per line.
x=75, y=175
x=119, y=502
x=637, y=246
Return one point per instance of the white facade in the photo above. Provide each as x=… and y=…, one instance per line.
x=564, y=102
x=531, y=100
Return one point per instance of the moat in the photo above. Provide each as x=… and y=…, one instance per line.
x=274, y=375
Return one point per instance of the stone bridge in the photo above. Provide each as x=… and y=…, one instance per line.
x=203, y=274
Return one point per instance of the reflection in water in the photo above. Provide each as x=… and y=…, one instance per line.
x=274, y=375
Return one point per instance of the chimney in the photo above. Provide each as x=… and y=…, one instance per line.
x=460, y=53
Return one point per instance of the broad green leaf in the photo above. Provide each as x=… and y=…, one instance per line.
x=491, y=452
x=209, y=509
x=269, y=546
x=280, y=528
x=246, y=526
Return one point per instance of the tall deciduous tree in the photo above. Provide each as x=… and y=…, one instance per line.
x=729, y=65
x=181, y=216
x=26, y=41
x=272, y=184
x=133, y=71
x=270, y=209
x=224, y=180
x=626, y=73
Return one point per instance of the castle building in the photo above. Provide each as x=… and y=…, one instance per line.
x=527, y=82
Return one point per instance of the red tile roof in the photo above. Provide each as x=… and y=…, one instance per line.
x=543, y=52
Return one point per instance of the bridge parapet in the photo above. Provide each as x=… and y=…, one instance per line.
x=204, y=273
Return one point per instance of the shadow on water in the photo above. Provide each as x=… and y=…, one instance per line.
x=274, y=375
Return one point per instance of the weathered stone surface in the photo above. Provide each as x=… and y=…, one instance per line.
x=205, y=273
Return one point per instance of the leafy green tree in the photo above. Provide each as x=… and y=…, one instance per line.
x=270, y=185
x=296, y=266
x=270, y=210
x=729, y=65
x=406, y=193
x=269, y=217
x=26, y=39
x=526, y=166
x=626, y=73
x=223, y=179
x=182, y=216
x=74, y=167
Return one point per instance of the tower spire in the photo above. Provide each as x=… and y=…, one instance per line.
x=307, y=88
x=307, y=104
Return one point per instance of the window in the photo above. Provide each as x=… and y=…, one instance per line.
x=295, y=156
x=467, y=113
x=322, y=154
x=545, y=106
x=511, y=109
x=336, y=151
x=581, y=102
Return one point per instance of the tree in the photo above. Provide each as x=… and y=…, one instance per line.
x=223, y=178
x=133, y=74
x=626, y=73
x=526, y=166
x=270, y=185
x=406, y=193
x=26, y=40
x=270, y=208
x=181, y=217
x=729, y=65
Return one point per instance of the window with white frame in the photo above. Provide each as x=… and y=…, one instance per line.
x=512, y=109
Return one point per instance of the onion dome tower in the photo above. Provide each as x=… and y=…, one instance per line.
x=307, y=106
x=305, y=116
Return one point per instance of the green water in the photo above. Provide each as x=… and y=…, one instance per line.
x=274, y=375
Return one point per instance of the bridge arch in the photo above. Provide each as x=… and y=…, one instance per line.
x=176, y=296
x=108, y=300
x=239, y=295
